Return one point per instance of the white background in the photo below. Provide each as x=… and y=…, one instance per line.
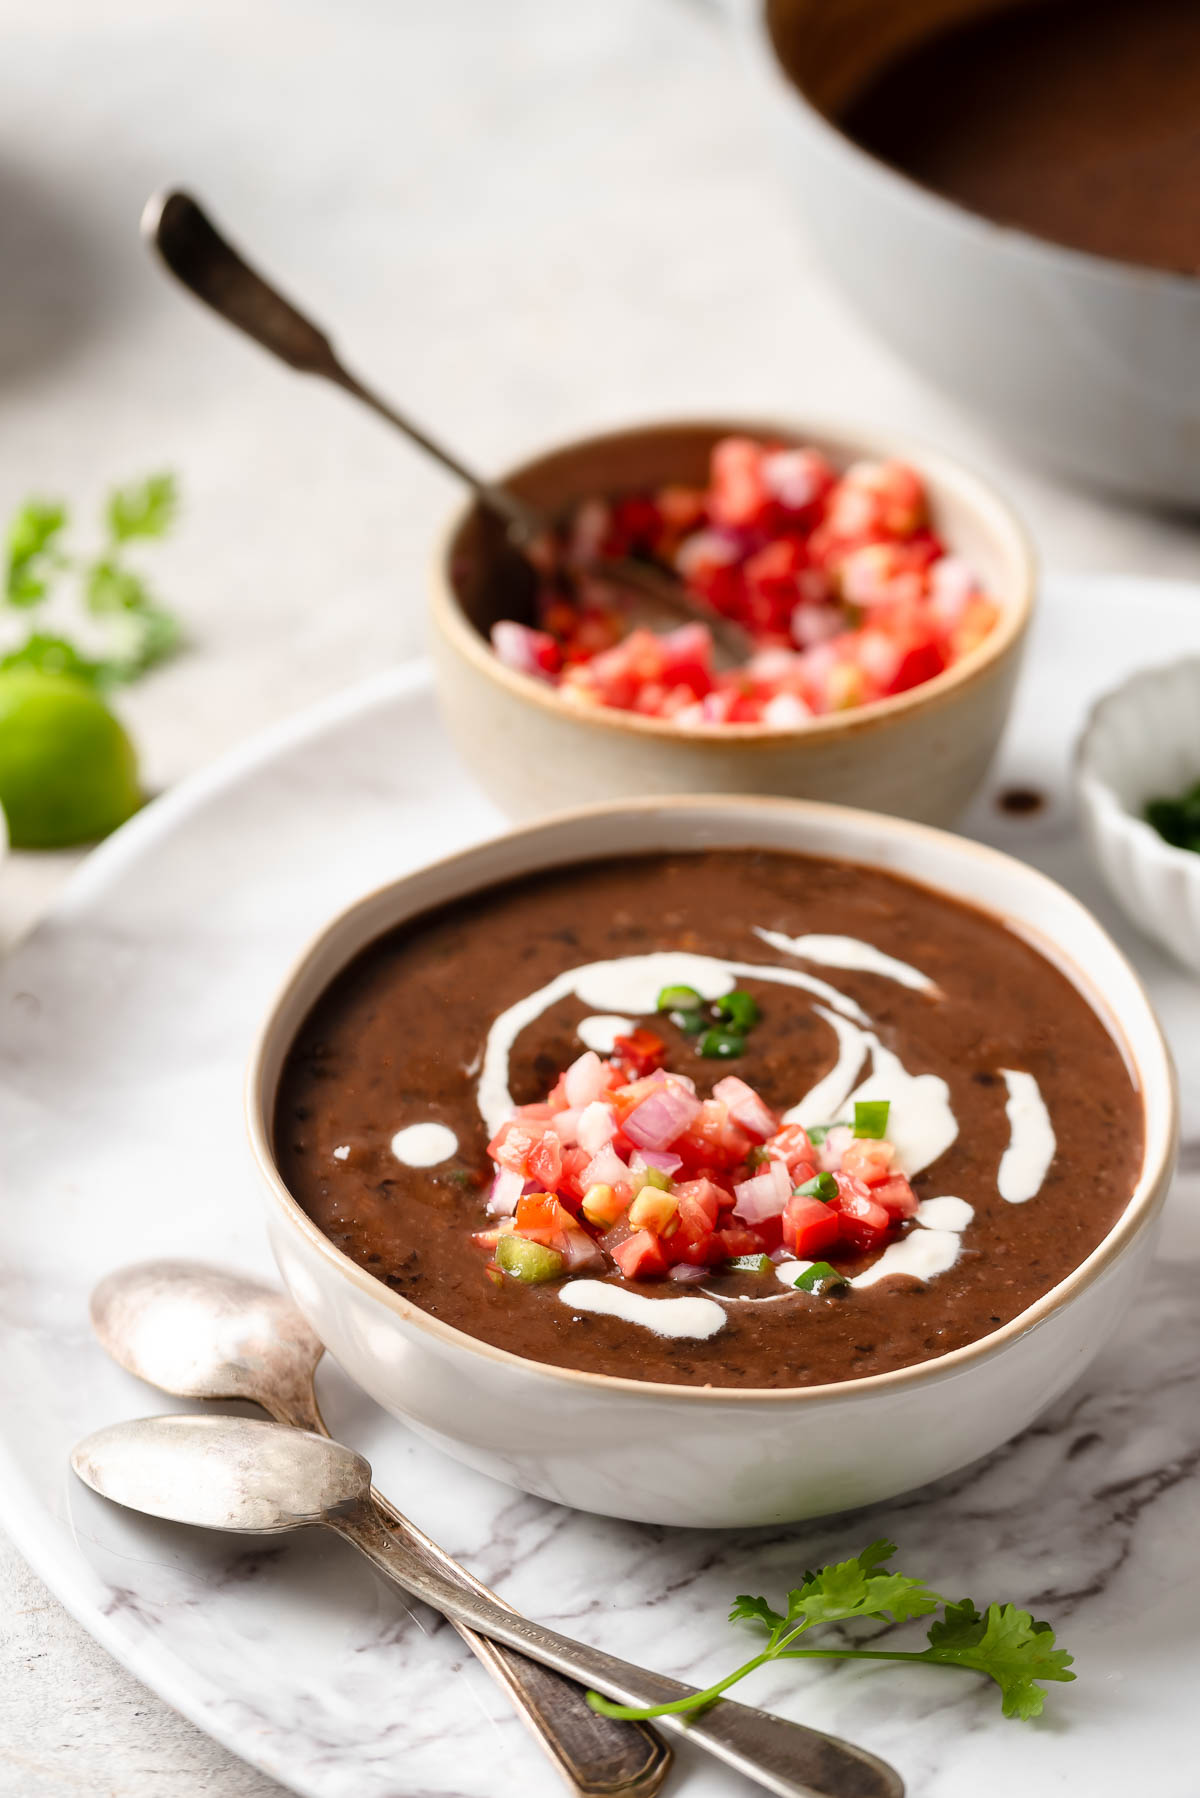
x=525, y=220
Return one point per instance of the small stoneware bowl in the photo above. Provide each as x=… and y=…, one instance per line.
x=1142, y=742
x=920, y=754
x=1085, y=363
x=714, y=1456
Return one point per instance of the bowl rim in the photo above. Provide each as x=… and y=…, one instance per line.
x=1140, y=1210
x=1099, y=794
x=986, y=230
x=853, y=441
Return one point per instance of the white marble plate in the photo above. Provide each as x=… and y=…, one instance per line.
x=125, y=1022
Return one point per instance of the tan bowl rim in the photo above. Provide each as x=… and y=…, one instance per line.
x=988, y=230
x=1143, y=1205
x=857, y=442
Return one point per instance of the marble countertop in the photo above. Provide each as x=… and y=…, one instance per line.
x=524, y=221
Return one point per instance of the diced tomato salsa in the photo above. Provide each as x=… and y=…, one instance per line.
x=623, y=1168
x=844, y=587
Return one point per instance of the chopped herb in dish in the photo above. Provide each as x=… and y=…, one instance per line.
x=1177, y=821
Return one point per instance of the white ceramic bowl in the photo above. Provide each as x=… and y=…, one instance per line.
x=920, y=754
x=720, y=1456
x=1085, y=363
x=1141, y=742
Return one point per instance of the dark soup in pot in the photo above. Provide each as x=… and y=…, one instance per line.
x=726, y=1118
x=1078, y=120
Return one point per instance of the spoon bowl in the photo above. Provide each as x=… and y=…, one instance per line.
x=234, y=1473
x=223, y=1473
x=205, y=1332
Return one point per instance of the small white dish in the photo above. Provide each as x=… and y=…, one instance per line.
x=1142, y=742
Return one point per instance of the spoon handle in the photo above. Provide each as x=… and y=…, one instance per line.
x=599, y=1757
x=209, y=267
x=787, y=1758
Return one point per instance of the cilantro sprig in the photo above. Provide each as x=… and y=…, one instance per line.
x=135, y=630
x=1002, y=1641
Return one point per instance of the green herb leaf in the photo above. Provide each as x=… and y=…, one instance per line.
x=141, y=632
x=871, y=1117
x=678, y=998
x=820, y=1277
x=55, y=655
x=821, y=1186
x=721, y=1045
x=146, y=632
x=861, y=1587
x=739, y=1010
x=33, y=551
x=755, y=1610
x=146, y=509
x=1005, y=1643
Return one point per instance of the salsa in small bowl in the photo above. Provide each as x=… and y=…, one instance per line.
x=885, y=592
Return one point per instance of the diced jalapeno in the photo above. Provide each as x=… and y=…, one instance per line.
x=650, y=1176
x=820, y=1277
x=739, y=1010
x=529, y=1261
x=721, y=1045
x=750, y=1264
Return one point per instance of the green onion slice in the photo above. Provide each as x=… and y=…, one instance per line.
x=819, y=1132
x=739, y=1010
x=871, y=1117
x=821, y=1186
x=820, y=1277
x=679, y=998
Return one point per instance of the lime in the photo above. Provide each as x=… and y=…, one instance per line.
x=68, y=772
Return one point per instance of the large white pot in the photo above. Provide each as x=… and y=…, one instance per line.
x=1086, y=363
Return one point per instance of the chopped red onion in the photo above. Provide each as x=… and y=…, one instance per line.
x=834, y=1147
x=605, y=1169
x=763, y=1196
x=507, y=1188
x=586, y=1079
x=597, y=1125
x=662, y=1159
x=565, y=1125
x=686, y=1274
x=518, y=647
x=662, y=1119
x=580, y=1251
x=745, y=1107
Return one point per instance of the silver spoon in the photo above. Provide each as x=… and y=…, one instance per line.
x=233, y=1473
x=209, y=267
x=204, y=1332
